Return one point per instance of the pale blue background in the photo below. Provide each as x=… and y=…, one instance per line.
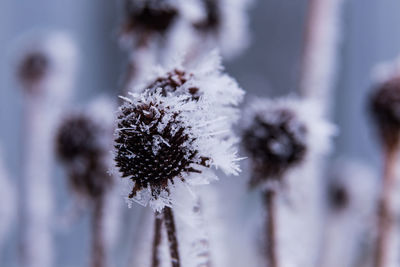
x=269, y=67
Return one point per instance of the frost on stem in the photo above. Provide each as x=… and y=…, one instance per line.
x=164, y=139
x=82, y=144
x=384, y=108
x=275, y=140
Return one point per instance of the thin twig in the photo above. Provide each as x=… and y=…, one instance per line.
x=384, y=210
x=156, y=240
x=172, y=238
x=98, y=245
x=271, y=229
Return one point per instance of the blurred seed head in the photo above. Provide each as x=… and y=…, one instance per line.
x=81, y=147
x=153, y=146
x=274, y=145
x=33, y=68
x=212, y=20
x=384, y=107
x=338, y=196
x=149, y=16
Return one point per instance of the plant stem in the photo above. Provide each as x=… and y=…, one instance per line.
x=384, y=211
x=171, y=233
x=98, y=245
x=157, y=239
x=270, y=229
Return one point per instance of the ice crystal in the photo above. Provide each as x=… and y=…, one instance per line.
x=82, y=144
x=277, y=135
x=161, y=140
x=203, y=79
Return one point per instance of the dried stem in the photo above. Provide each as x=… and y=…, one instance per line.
x=271, y=229
x=98, y=244
x=172, y=238
x=156, y=240
x=384, y=210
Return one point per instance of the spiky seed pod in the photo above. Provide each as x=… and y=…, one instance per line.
x=149, y=16
x=80, y=146
x=154, y=146
x=385, y=110
x=161, y=140
x=33, y=68
x=275, y=143
x=172, y=81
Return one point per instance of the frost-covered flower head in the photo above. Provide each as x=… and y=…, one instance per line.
x=145, y=18
x=161, y=140
x=203, y=79
x=224, y=24
x=83, y=142
x=280, y=134
x=385, y=109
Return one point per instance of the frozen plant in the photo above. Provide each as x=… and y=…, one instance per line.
x=83, y=142
x=45, y=71
x=166, y=140
x=384, y=105
x=280, y=136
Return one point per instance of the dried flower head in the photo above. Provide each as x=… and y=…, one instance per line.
x=149, y=17
x=83, y=144
x=164, y=139
x=203, y=79
x=276, y=135
x=385, y=110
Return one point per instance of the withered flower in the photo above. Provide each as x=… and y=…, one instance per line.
x=275, y=141
x=164, y=139
x=144, y=18
x=83, y=145
x=385, y=110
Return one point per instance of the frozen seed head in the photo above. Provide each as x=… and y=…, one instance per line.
x=154, y=146
x=81, y=147
x=149, y=16
x=275, y=142
x=172, y=81
x=385, y=110
x=164, y=139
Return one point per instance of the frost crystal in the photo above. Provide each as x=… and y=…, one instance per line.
x=173, y=138
x=82, y=144
x=277, y=135
x=204, y=79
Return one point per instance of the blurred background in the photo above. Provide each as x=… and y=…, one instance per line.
x=369, y=34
